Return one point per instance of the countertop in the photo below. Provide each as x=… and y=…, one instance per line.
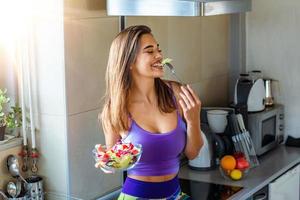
x=272, y=165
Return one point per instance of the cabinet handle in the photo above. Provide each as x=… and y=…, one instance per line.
x=281, y=127
x=281, y=116
x=262, y=196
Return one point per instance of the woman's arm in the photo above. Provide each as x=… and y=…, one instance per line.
x=191, y=106
x=111, y=139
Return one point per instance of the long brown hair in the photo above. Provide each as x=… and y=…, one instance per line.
x=122, y=54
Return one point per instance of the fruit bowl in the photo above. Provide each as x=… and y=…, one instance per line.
x=234, y=167
x=235, y=174
x=121, y=157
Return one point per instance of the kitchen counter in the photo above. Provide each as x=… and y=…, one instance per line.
x=272, y=165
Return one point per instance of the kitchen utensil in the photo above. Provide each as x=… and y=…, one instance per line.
x=242, y=131
x=3, y=194
x=217, y=120
x=248, y=141
x=237, y=139
x=13, y=167
x=172, y=69
x=11, y=189
x=35, y=187
x=235, y=132
x=19, y=187
x=227, y=143
x=246, y=133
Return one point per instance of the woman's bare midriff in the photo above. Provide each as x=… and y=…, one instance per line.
x=153, y=178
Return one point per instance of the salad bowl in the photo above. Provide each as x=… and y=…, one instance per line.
x=121, y=157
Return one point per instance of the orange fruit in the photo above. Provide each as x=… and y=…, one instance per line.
x=228, y=162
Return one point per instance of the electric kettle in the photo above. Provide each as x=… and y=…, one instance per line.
x=204, y=158
x=213, y=148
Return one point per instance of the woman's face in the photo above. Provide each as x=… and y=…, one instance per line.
x=148, y=59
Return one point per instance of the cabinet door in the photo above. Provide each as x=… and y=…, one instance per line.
x=286, y=186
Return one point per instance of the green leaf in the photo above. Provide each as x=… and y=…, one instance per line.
x=166, y=60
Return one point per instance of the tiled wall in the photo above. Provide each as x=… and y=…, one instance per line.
x=87, y=41
x=273, y=46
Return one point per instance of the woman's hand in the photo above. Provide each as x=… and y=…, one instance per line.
x=190, y=104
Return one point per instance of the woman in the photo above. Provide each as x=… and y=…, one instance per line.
x=142, y=108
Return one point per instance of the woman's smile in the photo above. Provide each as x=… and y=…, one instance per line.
x=157, y=66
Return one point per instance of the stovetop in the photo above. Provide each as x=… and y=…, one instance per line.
x=207, y=191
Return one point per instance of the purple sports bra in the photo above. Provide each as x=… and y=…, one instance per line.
x=160, y=151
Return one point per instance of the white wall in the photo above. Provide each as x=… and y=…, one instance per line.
x=49, y=99
x=273, y=45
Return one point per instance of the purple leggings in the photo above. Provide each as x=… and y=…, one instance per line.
x=151, y=190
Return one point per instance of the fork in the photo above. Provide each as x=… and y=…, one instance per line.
x=171, y=68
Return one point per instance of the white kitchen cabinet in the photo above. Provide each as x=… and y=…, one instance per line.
x=286, y=186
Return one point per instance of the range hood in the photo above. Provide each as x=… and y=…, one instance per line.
x=176, y=7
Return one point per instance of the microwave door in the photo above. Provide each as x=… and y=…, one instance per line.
x=268, y=131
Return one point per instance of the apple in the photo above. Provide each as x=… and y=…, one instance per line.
x=242, y=163
x=239, y=154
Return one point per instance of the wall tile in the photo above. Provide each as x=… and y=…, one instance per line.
x=48, y=87
x=214, y=91
x=184, y=44
x=87, y=44
x=214, y=46
x=84, y=133
x=159, y=27
x=52, y=146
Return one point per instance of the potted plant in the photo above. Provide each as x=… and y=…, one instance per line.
x=11, y=119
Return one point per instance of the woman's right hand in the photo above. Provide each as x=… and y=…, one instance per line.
x=190, y=104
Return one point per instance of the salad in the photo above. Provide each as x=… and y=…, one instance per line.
x=122, y=156
x=166, y=60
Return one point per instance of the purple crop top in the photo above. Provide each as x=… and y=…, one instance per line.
x=161, y=151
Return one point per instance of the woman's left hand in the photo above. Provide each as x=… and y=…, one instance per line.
x=190, y=104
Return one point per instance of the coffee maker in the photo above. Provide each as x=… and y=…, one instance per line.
x=215, y=146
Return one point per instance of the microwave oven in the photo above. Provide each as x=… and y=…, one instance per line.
x=266, y=128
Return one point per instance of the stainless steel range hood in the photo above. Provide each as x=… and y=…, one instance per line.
x=176, y=7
